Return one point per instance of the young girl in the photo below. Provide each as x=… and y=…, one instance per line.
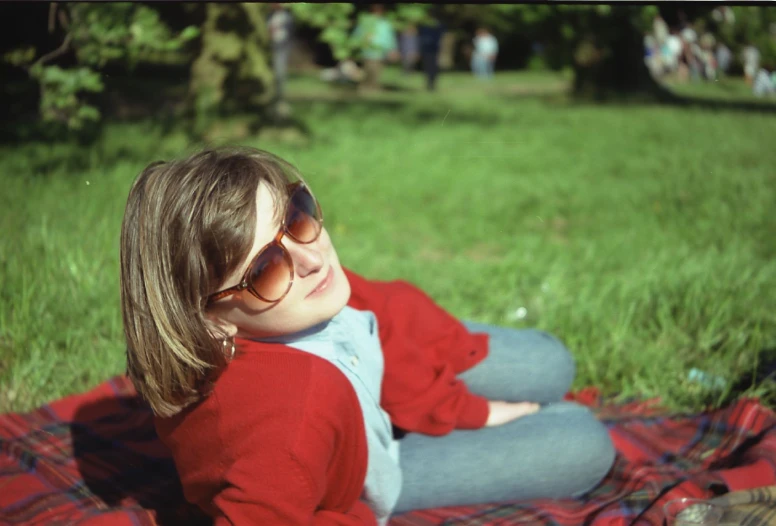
x=291, y=390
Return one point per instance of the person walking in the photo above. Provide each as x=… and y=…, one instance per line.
x=429, y=39
x=408, y=47
x=484, y=54
x=751, y=58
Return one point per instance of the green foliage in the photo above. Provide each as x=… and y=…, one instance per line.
x=20, y=57
x=235, y=41
x=336, y=22
x=59, y=90
x=97, y=33
x=753, y=25
x=123, y=31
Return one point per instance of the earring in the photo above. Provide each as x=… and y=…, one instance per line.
x=227, y=343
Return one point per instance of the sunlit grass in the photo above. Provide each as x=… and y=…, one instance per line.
x=640, y=235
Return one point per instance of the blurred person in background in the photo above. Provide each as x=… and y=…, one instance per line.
x=724, y=57
x=692, y=52
x=672, y=51
x=281, y=24
x=750, y=56
x=484, y=54
x=660, y=30
x=652, y=56
x=408, y=47
x=429, y=40
x=345, y=72
x=707, y=57
x=763, y=83
x=378, y=41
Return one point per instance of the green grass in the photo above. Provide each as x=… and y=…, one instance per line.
x=642, y=235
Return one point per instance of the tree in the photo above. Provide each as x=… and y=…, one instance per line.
x=748, y=25
x=94, y=35
x=232, y=66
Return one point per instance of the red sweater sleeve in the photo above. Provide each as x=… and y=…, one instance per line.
x=423, y=346
x=290, y=460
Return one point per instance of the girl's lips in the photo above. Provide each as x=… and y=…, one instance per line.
x=324, y=284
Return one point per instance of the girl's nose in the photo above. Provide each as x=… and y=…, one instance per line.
x=307, y=258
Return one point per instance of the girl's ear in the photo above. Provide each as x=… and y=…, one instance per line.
x=218, y=328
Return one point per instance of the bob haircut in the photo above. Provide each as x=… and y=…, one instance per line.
x=188, y=224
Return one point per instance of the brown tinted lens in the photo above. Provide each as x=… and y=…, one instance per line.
x=271, y=274
x=303, y=217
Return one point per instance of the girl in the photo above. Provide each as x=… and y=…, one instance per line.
x=291, y=390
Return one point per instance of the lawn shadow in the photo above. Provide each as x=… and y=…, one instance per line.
x=663, y=96
x=766, y=371
x=124, y=464
x=396, y=88
x=703, y=103
x=408, y=113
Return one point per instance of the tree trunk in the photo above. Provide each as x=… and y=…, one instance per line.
x=232, y=71
x=610, y=62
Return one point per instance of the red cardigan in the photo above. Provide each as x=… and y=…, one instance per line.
x=281, y=439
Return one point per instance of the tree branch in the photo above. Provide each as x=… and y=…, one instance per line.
x=61, y=50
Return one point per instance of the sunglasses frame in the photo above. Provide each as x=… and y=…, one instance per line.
x=245, y=283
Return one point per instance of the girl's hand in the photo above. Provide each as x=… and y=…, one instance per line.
x=502, y=412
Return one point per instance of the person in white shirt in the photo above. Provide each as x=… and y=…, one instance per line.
x=763, y=84
x=673, y=50
x=484, y=54
x=660, y=29
x=724, y=58
x=751, y=59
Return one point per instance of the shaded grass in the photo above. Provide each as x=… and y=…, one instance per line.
x=641, y=235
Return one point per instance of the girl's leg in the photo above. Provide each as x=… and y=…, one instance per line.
x=561, y=451
x=522, y=366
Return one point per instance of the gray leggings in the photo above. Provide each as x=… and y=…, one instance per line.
x=561, y=451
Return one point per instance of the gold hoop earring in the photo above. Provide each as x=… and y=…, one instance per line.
x=231, y=348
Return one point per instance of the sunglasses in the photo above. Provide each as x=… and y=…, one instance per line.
x=271, y=273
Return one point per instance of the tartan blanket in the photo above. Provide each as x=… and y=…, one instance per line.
x=94, y=459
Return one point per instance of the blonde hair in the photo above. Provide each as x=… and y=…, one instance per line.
x=187, y=226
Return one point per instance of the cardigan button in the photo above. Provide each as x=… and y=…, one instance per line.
x=354, y=360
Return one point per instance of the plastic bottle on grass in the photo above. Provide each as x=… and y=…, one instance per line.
x=705, y=379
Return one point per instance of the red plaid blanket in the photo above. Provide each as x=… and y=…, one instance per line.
x=94, y=459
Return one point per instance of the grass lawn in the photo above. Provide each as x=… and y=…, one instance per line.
x=642, y=235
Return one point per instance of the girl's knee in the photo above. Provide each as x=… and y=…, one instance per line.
x=594, y=448
x=557, y=358
x=589, y=438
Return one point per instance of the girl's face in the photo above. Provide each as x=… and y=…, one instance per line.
x=320, y=289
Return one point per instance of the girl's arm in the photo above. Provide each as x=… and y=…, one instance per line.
x=279, y=441
x=298, y=458
x=424, y=348
x=289, y=507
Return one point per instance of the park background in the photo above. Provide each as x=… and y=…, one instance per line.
x=631, y=216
